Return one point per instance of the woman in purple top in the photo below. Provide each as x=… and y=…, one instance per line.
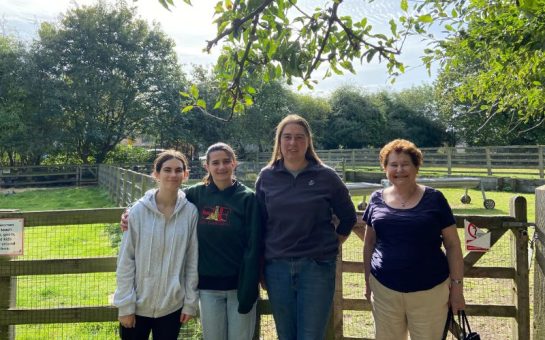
x=409, y=280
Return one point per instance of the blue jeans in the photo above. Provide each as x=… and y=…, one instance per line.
x=301, y=294
x=220, y=318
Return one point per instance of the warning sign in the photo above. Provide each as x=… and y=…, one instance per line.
x=11, y=236
x=476, y=239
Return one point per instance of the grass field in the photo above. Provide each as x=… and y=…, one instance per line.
x=55, y=199
x=96, y=289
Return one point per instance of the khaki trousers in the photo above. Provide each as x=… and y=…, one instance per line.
x=422, y=314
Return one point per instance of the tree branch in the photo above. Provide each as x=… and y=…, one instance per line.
x=236, y=24
x=324, y=41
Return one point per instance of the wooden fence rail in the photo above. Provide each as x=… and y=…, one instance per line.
x=48, y=175
x=10, y=269
x=491, y=159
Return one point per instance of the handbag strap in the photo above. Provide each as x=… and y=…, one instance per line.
x=462, y=319
x=450, y=317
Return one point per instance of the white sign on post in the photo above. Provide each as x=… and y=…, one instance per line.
x=11, y=236
x=476, y=239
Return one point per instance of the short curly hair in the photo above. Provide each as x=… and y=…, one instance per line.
x=399, y=146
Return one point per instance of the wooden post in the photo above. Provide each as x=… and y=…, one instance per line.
x=116, y=185
x=143, y=185
x=488, y=161
x=539, y=267
x=133, y=186
x=7, y=300
x=449, y=160
x=77, y=175
x=540, y=158
x=334, y=329
x=125, y=195
x=521, y=289
x=353, y=159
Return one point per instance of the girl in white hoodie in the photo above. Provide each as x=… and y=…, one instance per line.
x=157, y=264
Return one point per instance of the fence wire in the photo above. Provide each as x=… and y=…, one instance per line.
x=36, y=292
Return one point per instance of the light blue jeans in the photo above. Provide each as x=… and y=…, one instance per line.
x=220, y=318
x=301, y=294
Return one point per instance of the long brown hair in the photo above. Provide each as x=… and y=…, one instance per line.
x=207, y=179
x=293, y=119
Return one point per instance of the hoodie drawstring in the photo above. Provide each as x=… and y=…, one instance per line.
x=172, y=239
x=151, y=245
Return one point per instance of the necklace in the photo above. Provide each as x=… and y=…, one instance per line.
x=404, y=203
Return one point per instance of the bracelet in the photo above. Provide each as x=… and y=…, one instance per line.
x=458, y=282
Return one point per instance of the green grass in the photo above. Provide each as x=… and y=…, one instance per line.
x=56, y=199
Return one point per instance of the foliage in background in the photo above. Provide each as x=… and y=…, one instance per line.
x=126, y=154
x=110, y=73
x=25, y=128
x=492, y=84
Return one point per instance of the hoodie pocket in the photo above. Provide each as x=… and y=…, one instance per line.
x=174, y=293
x=145, y=292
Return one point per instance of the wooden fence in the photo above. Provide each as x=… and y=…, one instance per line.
x=10, y=269
x=48, y=175
x=123, y=185
x=490, y=160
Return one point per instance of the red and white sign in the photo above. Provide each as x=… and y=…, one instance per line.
x=476, y=239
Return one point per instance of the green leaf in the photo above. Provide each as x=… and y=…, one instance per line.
x=184, y=94
x=404, y=5
x=201, y=103
x=194, y=91
x=187, y=108
x=221, y=28
x=426, y=18
x=393, y=27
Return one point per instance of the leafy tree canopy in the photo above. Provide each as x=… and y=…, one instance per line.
x=494, y=70
x=280, y=39
x=110, y=71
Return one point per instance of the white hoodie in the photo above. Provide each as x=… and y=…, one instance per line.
x=157, y=262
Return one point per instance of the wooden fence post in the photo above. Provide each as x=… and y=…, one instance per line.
x=334, y=329
x=125, y=195
x=521, y=289
x=133, y=186
x=8, y=286
x=488, y=161
x=449, y=160
x=539, y=266
x=540, y=158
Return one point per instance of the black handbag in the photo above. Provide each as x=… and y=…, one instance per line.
x=461, y=329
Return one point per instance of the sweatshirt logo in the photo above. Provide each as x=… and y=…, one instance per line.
x=215, y=215
x=311, y=182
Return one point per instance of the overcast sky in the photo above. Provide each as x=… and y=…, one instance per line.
x=191, y=26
